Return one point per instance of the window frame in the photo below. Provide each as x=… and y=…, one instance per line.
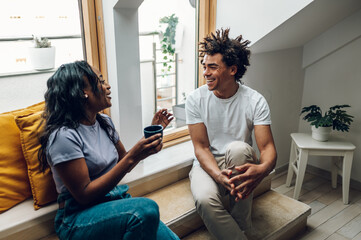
x=94, y=36
x=96, y=56
x=50, y=37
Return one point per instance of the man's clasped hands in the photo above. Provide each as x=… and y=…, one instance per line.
x=240, y=181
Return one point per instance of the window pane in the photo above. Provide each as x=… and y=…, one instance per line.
x=21, y=18
x=166, y=78
x=15, y=54
x=58, y=20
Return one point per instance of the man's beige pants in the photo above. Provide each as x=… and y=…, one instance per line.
x=223, y=224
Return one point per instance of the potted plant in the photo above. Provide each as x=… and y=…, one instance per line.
x=334, y=118
x=167, y=41
x=42, y=54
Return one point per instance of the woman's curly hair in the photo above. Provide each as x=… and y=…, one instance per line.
x=234, y=51
x=65, y=103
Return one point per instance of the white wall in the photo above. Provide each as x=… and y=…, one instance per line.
x=254, y=19
x=331, y=68
x=335, y=78
x=22, y=91
x=147, y=89
x=278, y=76
x=331, y=40
x=122, y=49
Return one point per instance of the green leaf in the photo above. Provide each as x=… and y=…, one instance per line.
x=335, y=117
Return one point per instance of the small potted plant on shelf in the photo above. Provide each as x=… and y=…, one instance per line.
x=42, y=54
x=322, y=124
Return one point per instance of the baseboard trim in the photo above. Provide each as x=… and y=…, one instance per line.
x=281, y=169
x=327, y=175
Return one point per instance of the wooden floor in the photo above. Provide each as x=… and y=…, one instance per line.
x=330, y=219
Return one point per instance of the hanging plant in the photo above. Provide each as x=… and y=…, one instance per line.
x=168, y=41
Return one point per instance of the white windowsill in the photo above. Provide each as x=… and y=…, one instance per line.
x=168, y=160
x=29, y=72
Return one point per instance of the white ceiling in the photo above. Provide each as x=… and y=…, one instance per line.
x=305, y=25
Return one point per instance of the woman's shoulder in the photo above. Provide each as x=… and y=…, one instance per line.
x=64, y=133
x=105, y=117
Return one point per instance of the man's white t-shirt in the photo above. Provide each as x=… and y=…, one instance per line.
x=230, y=119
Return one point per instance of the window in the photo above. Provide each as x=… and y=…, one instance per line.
x=121, y=21
x=76, y=30
x=167, y=37
x=92, y=29
x=59, y=21
x=168, y=55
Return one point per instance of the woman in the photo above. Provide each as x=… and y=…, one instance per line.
x=88, y=160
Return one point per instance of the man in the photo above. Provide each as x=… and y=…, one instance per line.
x=221, y=116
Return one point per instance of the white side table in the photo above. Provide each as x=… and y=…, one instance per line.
x=304, y=145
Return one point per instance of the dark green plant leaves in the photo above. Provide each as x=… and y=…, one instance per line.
x=335, y=117
x=168, y=38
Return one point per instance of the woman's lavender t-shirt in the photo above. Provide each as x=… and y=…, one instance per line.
x=89, y=142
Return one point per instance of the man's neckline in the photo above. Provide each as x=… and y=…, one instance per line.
x=229, y=98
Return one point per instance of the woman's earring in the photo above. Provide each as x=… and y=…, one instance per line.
x=86, y=95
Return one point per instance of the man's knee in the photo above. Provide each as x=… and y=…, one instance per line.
x=239, y=147
x=239, y=153
x=207, y=203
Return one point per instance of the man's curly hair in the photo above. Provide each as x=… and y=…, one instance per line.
x=234, y=51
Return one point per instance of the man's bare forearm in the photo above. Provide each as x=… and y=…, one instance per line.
x=207, y=161
x=268, y=158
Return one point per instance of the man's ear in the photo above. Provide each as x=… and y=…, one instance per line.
x=233, y=70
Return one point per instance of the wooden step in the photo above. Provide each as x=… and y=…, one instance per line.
x=176, y=205
x=201, y=234
x=274, y=216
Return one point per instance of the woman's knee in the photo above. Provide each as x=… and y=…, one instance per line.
x=148, y=210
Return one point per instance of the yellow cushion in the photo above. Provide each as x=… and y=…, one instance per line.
x=14, y=181
x=42, y=184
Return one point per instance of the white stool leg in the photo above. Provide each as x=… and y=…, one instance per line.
x=334, y=170
x=302, y=163
x=290, y=164
x=346, y=174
